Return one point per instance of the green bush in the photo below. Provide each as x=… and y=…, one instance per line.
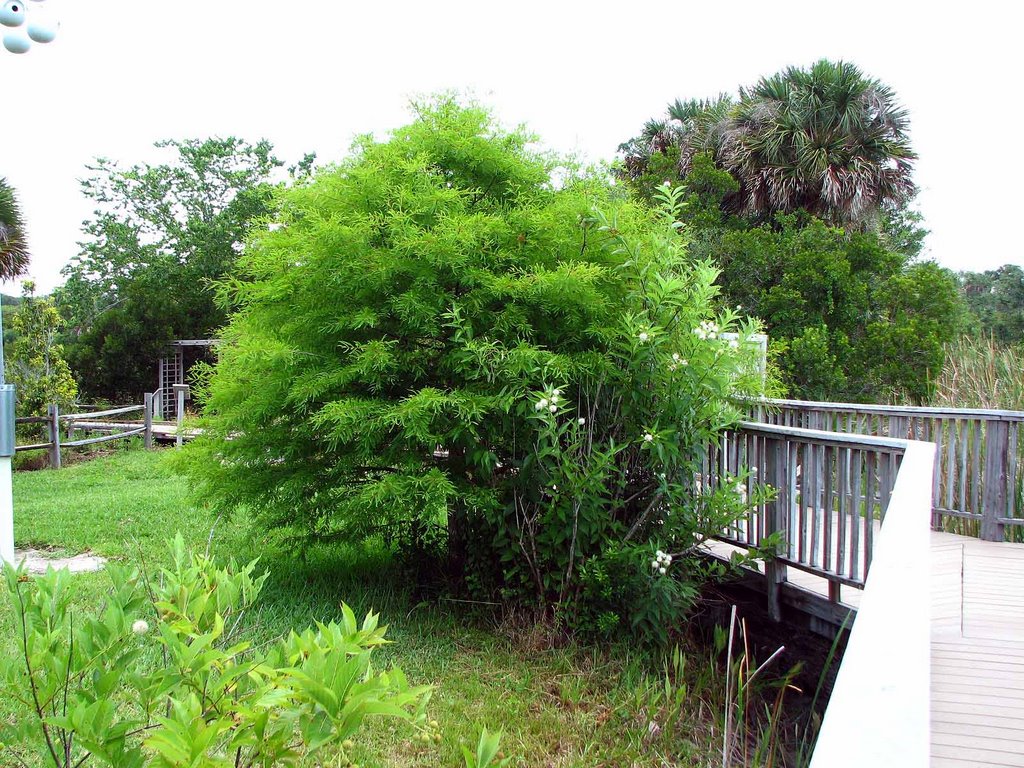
x=440, y=338
x=162, y=677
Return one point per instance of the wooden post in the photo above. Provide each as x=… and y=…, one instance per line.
x=53, y=414
x=147, y=419
x=993, y=499
x=180, y=395
x=776, y=513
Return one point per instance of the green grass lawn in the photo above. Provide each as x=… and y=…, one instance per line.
x=561, y=707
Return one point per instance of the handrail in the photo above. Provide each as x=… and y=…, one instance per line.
x=915, y=410
x=854, y=510
x=99, y=414
x=878, y=713
x=978, y=482
x=832, y=492
x=822, y=437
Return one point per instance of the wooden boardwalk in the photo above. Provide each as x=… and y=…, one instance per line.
x=977, y=652
x=977, y=648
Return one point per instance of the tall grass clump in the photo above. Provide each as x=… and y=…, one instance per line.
x=981, y=373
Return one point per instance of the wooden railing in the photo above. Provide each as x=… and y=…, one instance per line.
x=90, y=421
x=832, y=492
x=978, y=482
x=854, y=511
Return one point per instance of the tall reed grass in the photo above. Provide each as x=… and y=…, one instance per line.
x=981, y=373
x=984, y=373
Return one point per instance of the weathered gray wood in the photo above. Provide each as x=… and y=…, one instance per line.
x=106, y=438
x=949, y=479
x=857, y=408
x=843, y=482
x=32, y=420
x=180, y=395
x=827, y=500
x=995, y=481
x=777, y=512
x=961, y=435
x=871, y=460
x=963, y=439
x=147, y=415
x=93, y=415
x=31, y=447
x=855, y=513
x=976, y=467
x=53, y=414
x=1011, y=469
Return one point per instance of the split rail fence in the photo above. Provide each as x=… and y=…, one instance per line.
x=61, y=427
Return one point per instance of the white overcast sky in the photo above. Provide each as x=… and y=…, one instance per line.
x=585, y=76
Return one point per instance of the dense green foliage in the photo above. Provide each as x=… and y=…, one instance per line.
x=849, y=319
x=160, y=234
x=35, y=361
x=826, y=140
x=438, y=342
x=995, y=299
x=14, y=254
x=188, y=690
x=798, y=193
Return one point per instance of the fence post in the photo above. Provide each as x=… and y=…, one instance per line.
x=993, y=497
x=180, y=394
x=53, y=425
x=147, y=419
x=775, y=514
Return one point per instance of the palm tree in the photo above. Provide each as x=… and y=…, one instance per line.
x=13, y=249
x=826, y=140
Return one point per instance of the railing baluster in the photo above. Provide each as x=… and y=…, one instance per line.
x=855, y=513
x=962, y=440
x=826, y=523
x=869, y=508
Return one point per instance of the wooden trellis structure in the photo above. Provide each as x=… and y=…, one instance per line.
x=172, y=371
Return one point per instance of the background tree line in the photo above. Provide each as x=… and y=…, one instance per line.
x=799, y=188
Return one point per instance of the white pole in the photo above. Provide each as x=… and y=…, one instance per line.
x=6, y=512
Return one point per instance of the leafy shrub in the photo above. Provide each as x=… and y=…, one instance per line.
x=186, y=690
x=437, y=337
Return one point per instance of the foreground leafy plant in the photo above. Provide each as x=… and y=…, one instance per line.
x=488, y=752
x=189, y=690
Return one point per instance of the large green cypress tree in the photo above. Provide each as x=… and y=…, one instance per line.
x=402, y=329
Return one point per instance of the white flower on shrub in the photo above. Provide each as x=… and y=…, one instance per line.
x=733, y=344
x=648, y=437
x=140, y=627
x=541, y=404
x=581, y=421
x=741, y=491
x=643, y=337
x=553, y=408
x=661, y=562
x=706, y=330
